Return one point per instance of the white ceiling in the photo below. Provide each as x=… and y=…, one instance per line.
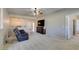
x=29, y=11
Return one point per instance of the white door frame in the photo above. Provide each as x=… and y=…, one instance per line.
x=68, y=30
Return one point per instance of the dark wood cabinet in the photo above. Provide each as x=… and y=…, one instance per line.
x=41, y=30
x=40, y=27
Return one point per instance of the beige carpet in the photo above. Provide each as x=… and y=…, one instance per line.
x=42, y=42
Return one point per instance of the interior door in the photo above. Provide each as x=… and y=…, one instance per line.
x=68, y=27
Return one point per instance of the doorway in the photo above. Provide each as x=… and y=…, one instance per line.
x=72, y=26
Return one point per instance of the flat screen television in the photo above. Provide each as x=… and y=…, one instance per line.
x=41, y=23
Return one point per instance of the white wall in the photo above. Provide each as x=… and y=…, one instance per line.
x=1, y=31
x=25, y=23
x=56, y=22
x=3, y=27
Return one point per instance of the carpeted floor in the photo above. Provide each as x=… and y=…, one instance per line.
x=42, y=42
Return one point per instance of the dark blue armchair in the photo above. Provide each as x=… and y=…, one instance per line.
x=21, y=35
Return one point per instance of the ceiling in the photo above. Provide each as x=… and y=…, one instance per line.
x=29, y=11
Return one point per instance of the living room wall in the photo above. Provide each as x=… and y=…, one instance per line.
x=3, y=27
x=25, y=23
x=56, y=22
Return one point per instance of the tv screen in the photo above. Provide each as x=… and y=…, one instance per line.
x=41, y=23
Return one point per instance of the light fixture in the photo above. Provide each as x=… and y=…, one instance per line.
x=37, y=11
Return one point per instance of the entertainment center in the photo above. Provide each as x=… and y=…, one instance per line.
x=40, y=27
